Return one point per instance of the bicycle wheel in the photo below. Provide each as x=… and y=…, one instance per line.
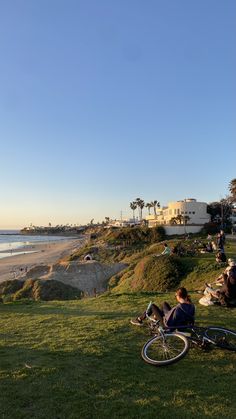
x=166, y=349
x=223, y=338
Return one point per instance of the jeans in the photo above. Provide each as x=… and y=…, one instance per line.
x=156, y=311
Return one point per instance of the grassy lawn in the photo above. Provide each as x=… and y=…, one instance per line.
x=84, y=360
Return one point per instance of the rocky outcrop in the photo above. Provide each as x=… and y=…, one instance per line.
x=85, y=276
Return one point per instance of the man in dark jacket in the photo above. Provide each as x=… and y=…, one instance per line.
x=227, y=294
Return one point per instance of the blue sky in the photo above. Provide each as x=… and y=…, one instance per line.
x=105, y=101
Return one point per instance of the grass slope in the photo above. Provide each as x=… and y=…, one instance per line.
x=84, y=360
x=196, y=270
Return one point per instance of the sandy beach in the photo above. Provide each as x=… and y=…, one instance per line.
x=44, y=253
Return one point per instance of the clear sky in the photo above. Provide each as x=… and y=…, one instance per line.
x=105, y=101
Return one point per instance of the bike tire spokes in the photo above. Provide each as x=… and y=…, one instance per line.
x=164, y=350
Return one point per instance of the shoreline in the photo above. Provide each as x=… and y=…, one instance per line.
x=12, y=267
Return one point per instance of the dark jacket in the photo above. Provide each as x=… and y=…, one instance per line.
x=179, y=315
x=229, y=286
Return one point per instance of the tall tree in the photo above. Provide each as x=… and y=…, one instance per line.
x=186, y=218
x=232, y=188
x=155, y=204
x=133, y=206
x=140, y=204
x=220, y=211
x=179, y=218
x=148, y=206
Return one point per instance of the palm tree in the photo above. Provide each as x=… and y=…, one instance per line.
x=133, y=206
x=232, y=188
x=148, y=206
x=155, y=205
x=140, y=203
x=173, y=221
x=186, y=218
x=179, y=219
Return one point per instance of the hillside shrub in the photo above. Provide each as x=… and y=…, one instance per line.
x=54, y=290
x=210, y=228
x=10, y=287
x=36, y=289
x=136, y=236
x=157, y=234
x=156, y=274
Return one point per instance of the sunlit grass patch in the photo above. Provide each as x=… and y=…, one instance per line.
x=82, y=359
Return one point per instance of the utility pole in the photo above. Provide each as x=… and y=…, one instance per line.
x=222, y=212
x=222, y=215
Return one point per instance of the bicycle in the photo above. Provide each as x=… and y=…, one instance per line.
x=168, y=346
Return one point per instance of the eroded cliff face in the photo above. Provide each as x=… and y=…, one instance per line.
x=86, y=276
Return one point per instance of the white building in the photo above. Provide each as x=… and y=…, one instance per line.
x=123, y=223
x=196, y=213
x=233, y=217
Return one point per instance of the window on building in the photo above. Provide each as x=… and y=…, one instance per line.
x=193, y=212
x=182, y=212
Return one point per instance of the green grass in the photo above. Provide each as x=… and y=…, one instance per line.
x=85, y=363
x=197, y=270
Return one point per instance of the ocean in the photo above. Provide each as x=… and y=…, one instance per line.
x=11, y=241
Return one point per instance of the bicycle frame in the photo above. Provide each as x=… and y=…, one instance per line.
x=171, y=344
x=195, y=334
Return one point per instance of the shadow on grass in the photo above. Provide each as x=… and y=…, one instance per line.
x=107, y=378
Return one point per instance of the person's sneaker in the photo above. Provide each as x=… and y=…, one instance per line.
x=136, y=322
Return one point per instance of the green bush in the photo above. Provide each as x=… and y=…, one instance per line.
x=136, y=236
x=36, y=289
x=210, y=228
x=156, y=274
x=157, y=234
x=10, y=287
x=54, y=290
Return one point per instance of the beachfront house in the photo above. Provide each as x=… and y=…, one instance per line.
x=179, y=217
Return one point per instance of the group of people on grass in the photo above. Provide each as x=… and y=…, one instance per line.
x=211, y=246
x=184, y=311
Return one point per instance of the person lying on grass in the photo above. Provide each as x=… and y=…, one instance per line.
x=181, y=314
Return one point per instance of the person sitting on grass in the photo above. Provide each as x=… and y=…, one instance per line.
x=226, y=294
x=220, y=279
x=166, y=251
x=220, y=256
x=180, y=315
